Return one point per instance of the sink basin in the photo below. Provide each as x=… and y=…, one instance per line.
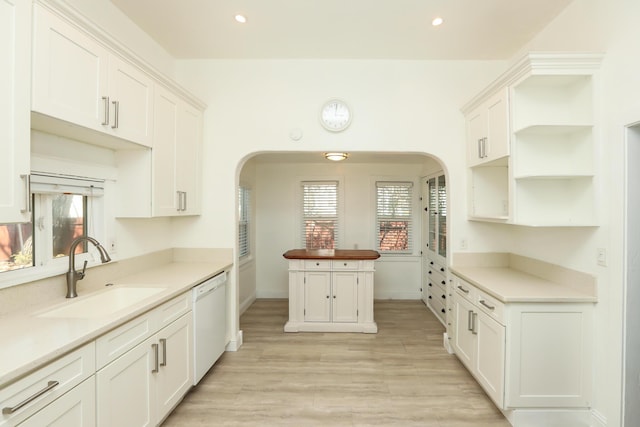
x=102, y=304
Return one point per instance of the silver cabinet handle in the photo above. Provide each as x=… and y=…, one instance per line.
x=156, y=368
x=163, y=342
x=474, y=321
x=480, y=148
x=184, y=206
x=470, y=320
x=466, y=291
x=116, y=114
x=179, y=193
x=12, y=409
x=490, y=307
x=27, y=193
x=105, y=120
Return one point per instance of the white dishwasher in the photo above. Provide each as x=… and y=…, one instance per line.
x=209, y=324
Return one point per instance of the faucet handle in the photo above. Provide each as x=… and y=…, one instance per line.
x=81, y=273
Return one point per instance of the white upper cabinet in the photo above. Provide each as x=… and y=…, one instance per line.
x=176, y=156
x=488, y=130
x=15, y=39
x=78, y=80
x=544, y=174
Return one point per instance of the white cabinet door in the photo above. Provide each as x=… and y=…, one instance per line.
x=188, y=158
x=497, y=126
x=176, y=156
x=489, y=365
x=488, y=130
x=165, y=192
x=69, y=73
x=15, y=50
x=344, y=287
x=175, y=375
x=131, y=102
x=125, y=388
x=76, y=408
x=317, y=292
x=476, y=132
x=464, y=340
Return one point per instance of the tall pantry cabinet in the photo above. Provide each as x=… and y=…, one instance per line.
x=434, y=253
x=15, y=42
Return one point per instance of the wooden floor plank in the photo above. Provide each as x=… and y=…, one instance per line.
x=401, y=376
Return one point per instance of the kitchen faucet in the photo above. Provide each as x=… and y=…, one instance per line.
x=73, y=275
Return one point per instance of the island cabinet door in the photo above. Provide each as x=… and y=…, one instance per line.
x=345, y=297
x=317, y=295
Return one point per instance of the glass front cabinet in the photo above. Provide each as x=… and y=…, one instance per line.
x=434, y=251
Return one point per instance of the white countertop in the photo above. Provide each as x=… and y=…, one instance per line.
x=509, y=285
x=28, y=341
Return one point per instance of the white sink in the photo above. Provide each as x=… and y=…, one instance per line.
x=102, y=304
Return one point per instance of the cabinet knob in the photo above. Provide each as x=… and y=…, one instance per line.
x=442, y=310
x=327, y=296
x=442, y=269
x=444, y=296
x=317, y=264
x=345, y=264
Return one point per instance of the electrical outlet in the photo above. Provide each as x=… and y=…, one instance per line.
x=113, y=248
x=463, y=244
x=601, y=257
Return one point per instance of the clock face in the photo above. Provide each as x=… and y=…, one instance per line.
x=335, y=115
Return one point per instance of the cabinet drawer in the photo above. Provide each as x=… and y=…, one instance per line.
x=437, y=304
x=436, y=277
x=173, y=309
x=490, y=305
x=437, y=266
x=317, y=264
x=464, y=289
x=341, y=264
x=59, y=376
x=120, y=340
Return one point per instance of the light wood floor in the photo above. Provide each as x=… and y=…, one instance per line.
x=401, y=376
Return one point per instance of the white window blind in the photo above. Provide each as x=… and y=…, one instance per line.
x=394, y=214
x=244, y=215
x=320, y=214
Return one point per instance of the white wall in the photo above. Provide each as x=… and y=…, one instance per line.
x=279, y=227
x=247, y=267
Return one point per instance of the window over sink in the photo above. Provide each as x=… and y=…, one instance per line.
x=63, y=209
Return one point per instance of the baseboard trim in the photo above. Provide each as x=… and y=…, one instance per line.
x=234, y=345
x=598, y=419
x=549, y=417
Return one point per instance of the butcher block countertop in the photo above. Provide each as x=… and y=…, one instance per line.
x=359, y=254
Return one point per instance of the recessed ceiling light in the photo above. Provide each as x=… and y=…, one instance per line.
x=437, y=21
x=241, y=18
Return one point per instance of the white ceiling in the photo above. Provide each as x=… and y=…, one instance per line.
x=342, y=29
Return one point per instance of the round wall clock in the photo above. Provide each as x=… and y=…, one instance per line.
x=335, y=115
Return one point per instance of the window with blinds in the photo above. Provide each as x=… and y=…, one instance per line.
x=320, y=214
x=394, y=215
x=244, y=216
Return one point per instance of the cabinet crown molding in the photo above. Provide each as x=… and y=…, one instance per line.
x=538, y=63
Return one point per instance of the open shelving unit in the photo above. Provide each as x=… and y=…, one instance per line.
x=549, y=177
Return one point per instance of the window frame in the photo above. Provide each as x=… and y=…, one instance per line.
x=413, y=218
x=45, y=265
x=340, y=214
x=244, y=218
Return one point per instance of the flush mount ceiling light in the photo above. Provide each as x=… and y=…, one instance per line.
x=240, y=18
x=336, y=157
x=437, y=21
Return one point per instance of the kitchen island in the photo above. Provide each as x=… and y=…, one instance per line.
x=331, y=290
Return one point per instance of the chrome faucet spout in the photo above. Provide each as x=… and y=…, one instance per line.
x=73, y=275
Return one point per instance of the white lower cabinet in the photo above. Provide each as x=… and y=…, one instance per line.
x=331, y=296
x=525, y=355
x=54, y=394
x=143, y=385
x=77, y=408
